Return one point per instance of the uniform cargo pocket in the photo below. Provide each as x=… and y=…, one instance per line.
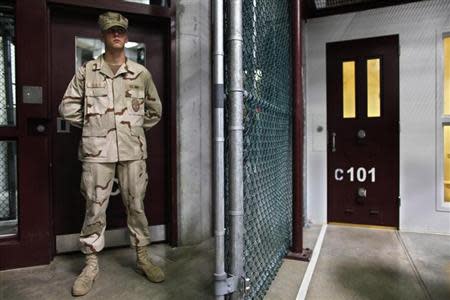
x=93, y=142
x=137, y=131
x=141, y=146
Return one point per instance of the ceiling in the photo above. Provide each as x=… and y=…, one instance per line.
x=318, y=8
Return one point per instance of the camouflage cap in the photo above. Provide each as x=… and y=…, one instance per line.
x=110, y=19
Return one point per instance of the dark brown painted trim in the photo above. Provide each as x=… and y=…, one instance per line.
x=121, y=6
x=313, y=12
x=297, y=251
x=173, y=143
x=32, y=245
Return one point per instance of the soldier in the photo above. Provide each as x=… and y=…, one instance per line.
x=113, y=100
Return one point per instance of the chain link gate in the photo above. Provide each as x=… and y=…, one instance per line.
x=267, y=60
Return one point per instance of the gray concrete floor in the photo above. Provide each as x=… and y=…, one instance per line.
x=354, y=263
x=370, y=264
x=289, y=277
x=188, y=276
x=361, y=263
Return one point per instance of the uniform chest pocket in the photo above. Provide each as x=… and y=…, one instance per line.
x=135, y=101
x=97, y=101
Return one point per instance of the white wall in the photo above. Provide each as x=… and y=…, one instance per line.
x=420, y=25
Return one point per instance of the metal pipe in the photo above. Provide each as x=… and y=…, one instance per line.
x=297, y=214
x=297, y=252
x=218, y=150
x=235, y=93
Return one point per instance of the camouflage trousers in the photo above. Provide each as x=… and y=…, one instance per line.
x=96, y=184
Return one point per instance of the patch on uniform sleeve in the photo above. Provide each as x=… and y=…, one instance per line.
x=135, y=105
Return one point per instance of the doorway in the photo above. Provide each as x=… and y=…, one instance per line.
x=363, y=131
x=75, y=38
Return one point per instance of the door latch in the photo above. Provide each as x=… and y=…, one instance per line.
x=62, y=126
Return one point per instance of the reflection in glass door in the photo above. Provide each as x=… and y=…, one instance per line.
x=88, y=49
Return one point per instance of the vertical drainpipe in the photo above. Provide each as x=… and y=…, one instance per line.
x=235, y=97
x=297, y=252
x=218, y=129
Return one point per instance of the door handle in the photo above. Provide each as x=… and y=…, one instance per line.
x=333, y=142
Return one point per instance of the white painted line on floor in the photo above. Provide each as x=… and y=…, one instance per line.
x=312, y=265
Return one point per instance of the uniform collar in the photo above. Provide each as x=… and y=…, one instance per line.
x=102, y=66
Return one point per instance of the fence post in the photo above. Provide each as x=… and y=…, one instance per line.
x=297, y=252
x=235, y=96
x=218, y=155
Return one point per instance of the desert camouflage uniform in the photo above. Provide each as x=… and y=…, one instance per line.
x=113, y=110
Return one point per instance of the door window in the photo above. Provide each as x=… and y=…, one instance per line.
x=87, y=49
x=7, y=70
x=373, y=88
x=446, y=164
x=8, y=188
x=349, y=89
x=8, y=149
x=443, y=201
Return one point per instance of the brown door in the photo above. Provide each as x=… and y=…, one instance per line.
x=75, y=38
x=24, y=155
x=363, y=131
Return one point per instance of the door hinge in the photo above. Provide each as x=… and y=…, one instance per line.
x=399, y=201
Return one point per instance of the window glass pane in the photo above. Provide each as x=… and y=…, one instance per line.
x=447, y=76
x=8, y=188
x=348, y=75
x=447, y=163
x=88, y=49
x=373, y=88
x=7, y=67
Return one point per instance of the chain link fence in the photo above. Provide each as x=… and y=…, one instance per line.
x=267, y=137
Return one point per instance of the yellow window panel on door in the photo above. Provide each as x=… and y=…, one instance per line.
x=349, y=89
x=373, y=88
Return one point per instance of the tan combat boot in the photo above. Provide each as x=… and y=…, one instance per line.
x=85, y=280
x=145, y=266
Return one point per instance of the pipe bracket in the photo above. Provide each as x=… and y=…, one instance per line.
x=226, y=285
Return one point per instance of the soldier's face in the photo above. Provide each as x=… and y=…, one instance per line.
x=115, y=38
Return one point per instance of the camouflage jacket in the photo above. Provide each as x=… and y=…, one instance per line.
x=112, y=110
